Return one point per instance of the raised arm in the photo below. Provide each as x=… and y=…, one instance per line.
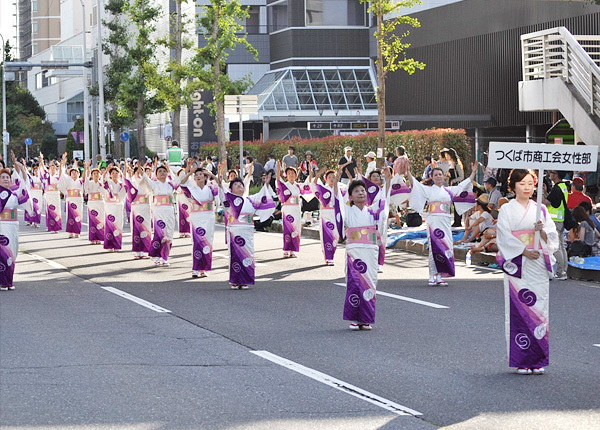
x=278, y=171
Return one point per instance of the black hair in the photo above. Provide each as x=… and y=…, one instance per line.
x=586, y=205
x=517, y=175
x=249, y=159
x=233, y=181
x=378, y=172
x=355, y=183
x=428, y=158
x=400, y=150
x=437, y=168
x=292, y=148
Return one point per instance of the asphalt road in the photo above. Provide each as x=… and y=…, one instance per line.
x=76, y=354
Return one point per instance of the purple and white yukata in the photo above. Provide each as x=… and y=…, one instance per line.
x=362, y=261
x=291, y=216
x=183, y=211
x=202, y=218
x=240, y=230
x=73, y=192
x=374, y=194
x=52, y=200
x=37, y=199
x=435, y=205
x=141, y=217
x=10, y=200
x=526, y=282
x=331, y=219
x=164, y=216
x=95, y=207
x=114, y=195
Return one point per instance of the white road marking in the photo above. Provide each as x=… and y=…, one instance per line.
x=406, y=299
x=48, y=262
x=135, y=299
x=597, y=344
x=337, y=384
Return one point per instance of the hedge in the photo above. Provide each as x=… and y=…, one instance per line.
x=328, y=150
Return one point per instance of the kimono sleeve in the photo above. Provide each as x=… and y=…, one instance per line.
x=419, y=197
x=263, y=202
x=550, y=228
x=63, y=183
x=508, y=245
x=22, y=194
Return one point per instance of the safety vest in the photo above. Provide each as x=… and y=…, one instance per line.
x=558, y=214
x=175, y=155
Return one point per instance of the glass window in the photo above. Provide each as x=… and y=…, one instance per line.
x=39, y=81
x=278, y=16
x=335, y=12
x=34, y=27
x=253, y=21
x=34, y=6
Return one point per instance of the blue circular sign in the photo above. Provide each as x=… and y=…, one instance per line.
x=28, y=141
x=124, y=136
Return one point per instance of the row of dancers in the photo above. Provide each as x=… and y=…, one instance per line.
x=357, y=213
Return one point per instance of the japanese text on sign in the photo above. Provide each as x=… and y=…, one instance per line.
x=547, y=157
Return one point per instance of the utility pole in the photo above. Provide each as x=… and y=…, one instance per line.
x=86, y=93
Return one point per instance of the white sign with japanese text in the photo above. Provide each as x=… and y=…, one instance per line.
x=515, y=155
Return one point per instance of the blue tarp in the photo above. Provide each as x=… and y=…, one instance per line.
x=589, y=263
x=417, y=236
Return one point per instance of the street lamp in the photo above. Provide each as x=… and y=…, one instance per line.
x=4, y=143
x=86, y=94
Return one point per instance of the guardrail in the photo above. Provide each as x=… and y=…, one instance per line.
x=556, y=53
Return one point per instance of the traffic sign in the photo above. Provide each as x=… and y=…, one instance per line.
x=28, y=141
x=360, y=125
x=124, y=136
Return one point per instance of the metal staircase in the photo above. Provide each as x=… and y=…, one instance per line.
x=562, y=72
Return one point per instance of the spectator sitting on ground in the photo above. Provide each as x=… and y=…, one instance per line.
x=577, y=194
x=478, y=222
x=489, y=236
x=493, y=193
x=588, y=208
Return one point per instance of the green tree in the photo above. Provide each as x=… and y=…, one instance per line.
x=135, y=96
x=391, y=51
x=33, y=127
x=175, y=83
x=49, y=146
x=220, y=26
x=72, y=144
x=118, y=68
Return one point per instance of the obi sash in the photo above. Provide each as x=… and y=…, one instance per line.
x=8, y=215
x=51, y=187
x=243, y=219
x=365, y=235
x=112, y=199
x=94, y=196
x=140, y=200
x=440, y=208
x=292, y=201
x=36, y=186
x=202, y=206
x=74, y=192
x=163, y=200
x=525, y=236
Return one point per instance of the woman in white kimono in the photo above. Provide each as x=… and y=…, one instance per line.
x=239, y=211
x=114, y=197
x=527, y=270
x=141, y=215
x=94, y=189
x=202, y=217
x=164, y=216
x=291, y=215
x=37, y=198
x=10, y=200
x=51, y=195
x=362, y=252
x=434, y=203
x=71, y=185
x=330, y=213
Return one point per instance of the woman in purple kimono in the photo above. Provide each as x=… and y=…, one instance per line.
x=201, y=197
x=362, y=252
x=434, y=203
x=94, y=188
x=240, y=211
x=330, y=213
x=141, y=215
x=51, y=195
x=291, y=215
x=37, y=198
x=71, y=185
x=526, y=279
x=11, y=198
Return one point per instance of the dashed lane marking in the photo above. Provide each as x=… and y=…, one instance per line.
x=406, y=299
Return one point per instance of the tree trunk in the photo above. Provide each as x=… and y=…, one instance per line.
x=141, y=123
x=219, y=101
x=380, y=96
x=178, y=30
